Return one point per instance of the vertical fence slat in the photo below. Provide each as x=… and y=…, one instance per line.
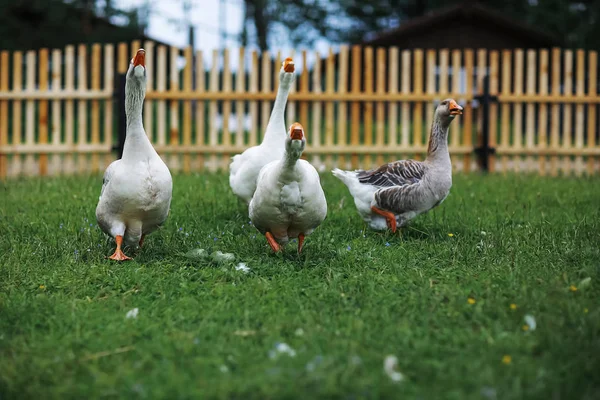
x=227, y=88
x=406, y=64
x=82, y=119
x=95, y=110
x=356, y=89
x=149, y=104
x=30, y=121
x=109, y=85
x=4, y=65
x=543, y=112
x=240, y=88
x=456, y=64
x=518, y=109
x=43, y=110
x=174, y=128
x=368, y=106
x=579, y=112
x=381, y=75
x=213, y=130
x=315, y=133
x=555, y=114
x=266, y=105
x=187, y=108
x=506, y=108
x=430, y=64
x=253, y=139
x=200, y=139
x=467, y=121
x=591, y=115
x=342, y=130
x=56, y=109
x=493, y=126
x=530, y=109
x=394, y=67
x=482, y=70
x=69, y=166
x=567, y=110
x=329, y=106
x=161, y=86
x=418, y=107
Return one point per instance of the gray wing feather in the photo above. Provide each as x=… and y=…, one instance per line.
x=398, y=173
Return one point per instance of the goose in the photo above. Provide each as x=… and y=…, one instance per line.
x=245, y=167
x=395, y=193
x=136, y=190
x=289, y=201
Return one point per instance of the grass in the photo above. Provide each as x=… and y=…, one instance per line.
x=441, y=303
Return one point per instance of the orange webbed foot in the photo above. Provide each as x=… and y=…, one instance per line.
x=118, y=255
x=389, y=217
x=300, y=242
x=272, y=242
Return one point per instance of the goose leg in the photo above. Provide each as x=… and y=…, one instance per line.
x=389, y=217
x=300, y=242
x=118, y=255
x=272, y=242
x=142, y=239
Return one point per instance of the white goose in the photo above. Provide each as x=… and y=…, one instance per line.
x=136, y=190
x=245, y=167
x=395, y=193
x=289, y=201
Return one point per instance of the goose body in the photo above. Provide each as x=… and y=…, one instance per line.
x=245, y=167
x=397, y=192
x=289, y=201
x=137, y=189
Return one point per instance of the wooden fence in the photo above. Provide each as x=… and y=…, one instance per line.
x=359, y=106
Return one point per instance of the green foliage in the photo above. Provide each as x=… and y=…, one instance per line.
x=207, y=330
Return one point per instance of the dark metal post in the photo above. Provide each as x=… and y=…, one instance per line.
x=122, y=121
x=484, y=150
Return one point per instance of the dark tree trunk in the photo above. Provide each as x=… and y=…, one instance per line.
x=257, y=11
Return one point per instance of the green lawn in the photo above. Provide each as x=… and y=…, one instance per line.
x=438, y=297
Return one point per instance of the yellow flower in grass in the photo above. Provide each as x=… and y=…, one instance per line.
x=573, y=288
x=513, y=306
x=525, y=327
x=506, y=359
x=585, y=310
x=42, y=287
x=471, y=300
x=451, y=234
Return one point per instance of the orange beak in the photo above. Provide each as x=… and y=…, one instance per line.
x=140, y=58
x=454, y=108
x=288, y=65
x=296, y=131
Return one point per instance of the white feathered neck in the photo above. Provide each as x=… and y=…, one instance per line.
x=276, y=123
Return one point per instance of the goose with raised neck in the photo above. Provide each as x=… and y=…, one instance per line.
x=289, y=201
x=136, y=190
x=393, y=194
x=245, y=167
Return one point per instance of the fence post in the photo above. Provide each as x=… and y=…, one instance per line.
x=484, y=150
x=122, y=121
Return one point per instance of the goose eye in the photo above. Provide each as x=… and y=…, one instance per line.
x=444, y=103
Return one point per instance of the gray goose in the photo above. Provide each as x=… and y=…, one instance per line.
x=395, y=193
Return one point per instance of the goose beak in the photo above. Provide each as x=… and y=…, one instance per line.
x=454, y=108
x=288, y=65
x=140, y=58
x=296, y=131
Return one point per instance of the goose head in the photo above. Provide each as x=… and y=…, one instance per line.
x=296, y=140
x=286, y=73
x=447, y=110
x=137, y=67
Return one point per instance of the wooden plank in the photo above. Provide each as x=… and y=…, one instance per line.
x=174, y=129
x=417, y=119
x=303, y=89
x=200, y=109
x=506, y=108
x=240, y=89
x=591, y=112
x=493, y=126
x=187, y=107
x=342, y=117
x=30, y=121
x=394, y=67
x=543, y=111
x=17, y=128
x=227, y=88
x=518, y=108
x=95, y=112
x=82, y=107
x=530, y=108
x=467, y=119
x=4, y=66
x=149, y=103
x=314, y=135
x=579, y=111
x=253, y=139
x=109, y=84
x=406, y=126
x=56, y=127
x=482, y=70
x=555, y=111
x=266, y=106
x=213, y=129
x=430, y=64
x=567, y=110
x=329, y=106
x=161, y=86
x=456, y=67
x=380, y=116
x=355, y=107
x=43, y=110
x=69, y=166
x=368, y=106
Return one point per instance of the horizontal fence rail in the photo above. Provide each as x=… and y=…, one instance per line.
x=360, y=106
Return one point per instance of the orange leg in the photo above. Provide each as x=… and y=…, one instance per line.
x=272, y=242
x=118, y=254
x=142, y=239
x=389, y=217
x=300, y=242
